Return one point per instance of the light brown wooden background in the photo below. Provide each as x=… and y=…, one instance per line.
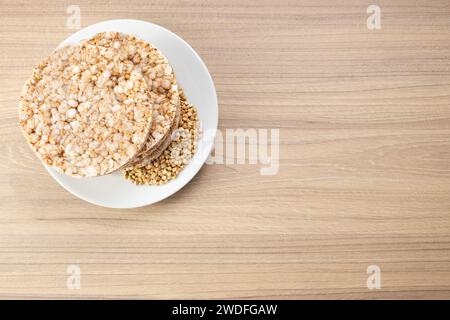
x=364, y=179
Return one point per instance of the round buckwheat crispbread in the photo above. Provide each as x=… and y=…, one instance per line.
x=145, y=158
x=150, y=154
x=160, y=79
x=85, y=111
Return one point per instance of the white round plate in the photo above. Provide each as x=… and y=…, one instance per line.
x=113, y=190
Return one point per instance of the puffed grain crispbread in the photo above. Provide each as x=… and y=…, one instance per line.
x=161, y=81
x=174, y=158
x=85, y=111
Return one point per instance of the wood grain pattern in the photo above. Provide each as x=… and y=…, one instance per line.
x=364, y=177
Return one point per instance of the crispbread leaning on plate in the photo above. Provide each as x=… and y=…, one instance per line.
x=107, y=103
x=74, y=118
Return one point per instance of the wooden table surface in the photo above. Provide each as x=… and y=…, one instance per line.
x=364, y=176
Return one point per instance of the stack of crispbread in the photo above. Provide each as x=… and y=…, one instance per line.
x=104, y=104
